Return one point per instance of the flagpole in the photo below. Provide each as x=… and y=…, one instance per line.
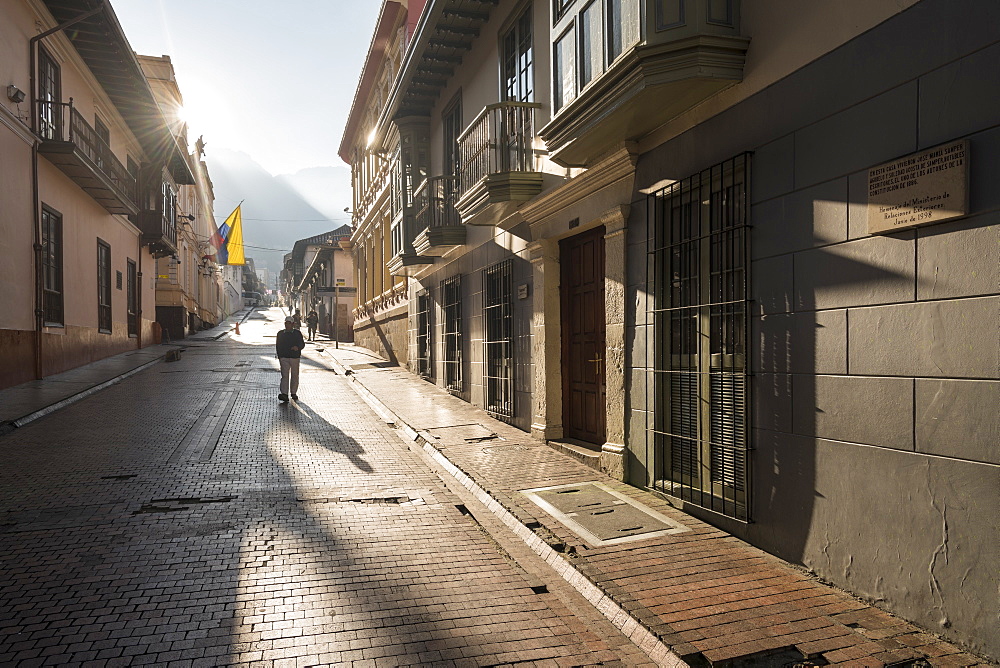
x=336, y=298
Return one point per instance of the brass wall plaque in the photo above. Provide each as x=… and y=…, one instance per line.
x=919, y=189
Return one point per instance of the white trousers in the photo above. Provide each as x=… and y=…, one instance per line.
x=289, y=375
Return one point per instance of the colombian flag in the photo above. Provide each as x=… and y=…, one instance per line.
x=234, y=240
x=228, y=239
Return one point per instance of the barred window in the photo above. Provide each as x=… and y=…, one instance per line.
x=499, y=340
x=700, y=392
x=425, y=337
x=451, y=304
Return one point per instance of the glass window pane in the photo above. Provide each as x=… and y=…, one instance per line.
x=565, y=90
x=623, y=26
x=591, y=47
x=516, y=61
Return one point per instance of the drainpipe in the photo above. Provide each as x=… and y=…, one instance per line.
x=36, y=195
x=138, y=296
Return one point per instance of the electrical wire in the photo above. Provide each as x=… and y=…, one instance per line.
x=289, y=220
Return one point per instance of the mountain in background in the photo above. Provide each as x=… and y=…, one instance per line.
x=326, y=188
x=277, y=210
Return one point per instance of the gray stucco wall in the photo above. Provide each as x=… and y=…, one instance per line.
x=470, y=266
x=876, y=359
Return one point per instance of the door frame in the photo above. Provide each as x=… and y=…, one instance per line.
x=598, y=234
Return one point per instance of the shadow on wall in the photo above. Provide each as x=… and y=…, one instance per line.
x=801, y=340
x=390, y=354
x=845, y=479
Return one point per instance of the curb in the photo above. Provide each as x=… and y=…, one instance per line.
x=10, y=425
x=632, y=628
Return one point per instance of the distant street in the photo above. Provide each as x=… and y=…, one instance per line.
x=185, y=517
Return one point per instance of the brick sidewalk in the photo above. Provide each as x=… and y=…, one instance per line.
x=712, y=598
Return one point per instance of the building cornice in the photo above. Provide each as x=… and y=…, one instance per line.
x=384, y=29
x=17, y=126
x=615, y=166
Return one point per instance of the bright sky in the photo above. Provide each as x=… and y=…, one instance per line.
x=272, y=79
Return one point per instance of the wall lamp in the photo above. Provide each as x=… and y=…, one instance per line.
x=15, y=94
x=188, y=217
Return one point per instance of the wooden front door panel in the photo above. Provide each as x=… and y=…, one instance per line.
x=583, y=334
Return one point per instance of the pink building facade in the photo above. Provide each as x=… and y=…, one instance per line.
x=89, y=178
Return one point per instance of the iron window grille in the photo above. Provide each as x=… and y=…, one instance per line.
x=424, y=334
x=52, y=268
x=451, y=304
x=132, y=298
x=103, y=287
x=498, y=377
x=700, y=398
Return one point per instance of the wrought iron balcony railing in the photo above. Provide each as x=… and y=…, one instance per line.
x=159, y=231
x=85, y=152
x=498, y=141
x=434, y=200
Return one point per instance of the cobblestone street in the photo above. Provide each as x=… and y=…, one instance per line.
x=185, y=517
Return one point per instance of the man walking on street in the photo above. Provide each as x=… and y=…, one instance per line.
x=289, y=346
x=312, y=320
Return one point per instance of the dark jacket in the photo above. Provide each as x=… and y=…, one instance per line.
x=288, y=339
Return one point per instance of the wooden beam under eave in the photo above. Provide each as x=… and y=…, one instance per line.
x=457, y=30
x=446, y=72
x=429, y=81
x=449, y=44
x=441, y=58
x=469, y=14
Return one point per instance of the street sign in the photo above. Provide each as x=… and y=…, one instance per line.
x=329, y=290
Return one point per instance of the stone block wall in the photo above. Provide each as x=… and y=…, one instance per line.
x=875, y=359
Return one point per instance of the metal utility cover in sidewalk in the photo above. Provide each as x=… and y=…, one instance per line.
x=600, y=515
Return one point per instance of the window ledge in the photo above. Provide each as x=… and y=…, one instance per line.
x=643, y=89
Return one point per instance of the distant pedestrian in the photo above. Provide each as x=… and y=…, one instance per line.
x=297, y=319
x=312, y=320
x=289, y=346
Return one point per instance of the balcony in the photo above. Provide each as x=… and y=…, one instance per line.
x=405, y=261
x=669, y=57
x=76, y=149
x=441, y=226
x=159, y=232
x=497, y=161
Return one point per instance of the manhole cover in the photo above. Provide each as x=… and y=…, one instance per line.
x=600, y=515
x=372, y=365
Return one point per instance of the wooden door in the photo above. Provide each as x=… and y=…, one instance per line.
x=583, y=336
